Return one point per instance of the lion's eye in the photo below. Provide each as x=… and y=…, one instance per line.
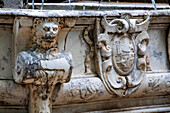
x=55, y=28
x=46, y=28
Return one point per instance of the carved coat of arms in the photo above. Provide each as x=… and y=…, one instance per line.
x=121, y=53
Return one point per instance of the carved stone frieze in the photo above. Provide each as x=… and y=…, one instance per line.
x=121, y=52
x=158, y=84
x=42, y=65
x=85, y=90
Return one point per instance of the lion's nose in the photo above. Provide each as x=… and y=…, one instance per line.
x=52, y=34
x=51, y=29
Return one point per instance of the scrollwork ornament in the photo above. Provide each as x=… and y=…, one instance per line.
x=123, y=55
x=91, y=51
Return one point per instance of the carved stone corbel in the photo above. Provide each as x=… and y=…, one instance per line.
x=121, y=51
x=42, y=66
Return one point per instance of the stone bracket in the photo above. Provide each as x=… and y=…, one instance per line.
x=41, y=65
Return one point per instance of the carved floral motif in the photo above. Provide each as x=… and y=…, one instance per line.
x=158, y=84
x=85, y=90
x=122, y=49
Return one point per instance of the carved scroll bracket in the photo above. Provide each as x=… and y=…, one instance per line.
x=121, y=50
x=91, y=51
x=42, y=66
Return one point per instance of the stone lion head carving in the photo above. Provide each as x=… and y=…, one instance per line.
x=45, y=32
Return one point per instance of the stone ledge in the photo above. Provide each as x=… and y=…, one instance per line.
x=85, y=90
x=129, y=105
x=76, y=13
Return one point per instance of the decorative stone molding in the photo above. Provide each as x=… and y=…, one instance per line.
x=91, y=45
x=85, y=90
x=42, y=66
x=121, y=52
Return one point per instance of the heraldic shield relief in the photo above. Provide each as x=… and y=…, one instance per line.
x=123, y=50
x=121, y=53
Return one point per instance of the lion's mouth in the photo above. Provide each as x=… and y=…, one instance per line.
x=49, y=37
x=49, y=40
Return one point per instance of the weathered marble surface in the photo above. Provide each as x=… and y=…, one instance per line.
x=74, y=13
x=5, y=52
x=85, y=92
x=157, y=50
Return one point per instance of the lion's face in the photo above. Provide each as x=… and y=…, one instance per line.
x=46, y=36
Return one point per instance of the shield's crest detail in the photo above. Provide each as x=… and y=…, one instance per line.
x=121, y=53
